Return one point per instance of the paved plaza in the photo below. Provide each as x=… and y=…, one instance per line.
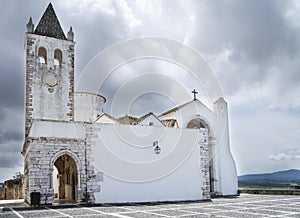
x=242, y=206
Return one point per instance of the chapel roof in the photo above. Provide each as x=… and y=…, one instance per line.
x=170, y=123
x=139, y=120
x=49, y=25
x=182, y=106
x=175, y=108
x=106, y=115
x=129, y=120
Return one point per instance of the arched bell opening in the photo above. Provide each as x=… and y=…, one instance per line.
x=42, y=55
x=57, y=58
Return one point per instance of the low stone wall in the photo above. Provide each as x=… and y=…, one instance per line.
x=12, y=189
x=270, y=191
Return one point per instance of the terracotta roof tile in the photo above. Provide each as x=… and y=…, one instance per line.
x=129, y=120
x=145, y=116
x=106, y=115
x=170, y=123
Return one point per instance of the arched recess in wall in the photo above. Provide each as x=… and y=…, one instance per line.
x=42, y=55
x=58, y=58
x=198, y=122
x=69, y=170
x=67, y=178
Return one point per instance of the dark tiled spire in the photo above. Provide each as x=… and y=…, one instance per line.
x=49, y=25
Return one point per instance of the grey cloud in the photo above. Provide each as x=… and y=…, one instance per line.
x=260, y=37
x=12, y=71
x=94, y=32
x=6, y=136
x=11, y=84
x=286, y=155
x=256, y=28
x=256, y=133
x=10, y=159
x=152, y=103
x=11, y=136
x=282, y=156
x=12, y=147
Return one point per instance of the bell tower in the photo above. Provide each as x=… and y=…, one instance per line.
x=49, y=92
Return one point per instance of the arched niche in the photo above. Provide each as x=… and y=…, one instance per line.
x=67, y=178
x=42, y=55
x=198, y=122
x=58, y=58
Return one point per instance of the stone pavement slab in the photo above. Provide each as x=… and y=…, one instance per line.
x=246, y=205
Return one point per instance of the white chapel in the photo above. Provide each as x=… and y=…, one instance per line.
x=181, y=154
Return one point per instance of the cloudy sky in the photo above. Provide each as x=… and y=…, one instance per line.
x=253, y=46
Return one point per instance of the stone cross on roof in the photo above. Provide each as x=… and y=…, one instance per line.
x=195, y=93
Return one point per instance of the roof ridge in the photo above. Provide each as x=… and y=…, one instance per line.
x=176, y=108
x=143, y=117
x=126, y=115
x=105, y=114
x=148, y=115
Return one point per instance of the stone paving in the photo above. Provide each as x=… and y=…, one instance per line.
x=242, y=206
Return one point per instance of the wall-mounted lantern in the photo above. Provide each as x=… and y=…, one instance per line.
x=157, y=149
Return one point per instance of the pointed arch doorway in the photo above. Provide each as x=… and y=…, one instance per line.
x=66, y=179
x=198, y=123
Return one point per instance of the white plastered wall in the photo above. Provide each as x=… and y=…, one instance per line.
x=87, y=106
x=132, y=172
x=226, y=168
x=225, y=175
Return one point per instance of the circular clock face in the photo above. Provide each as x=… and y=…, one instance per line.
x=50, y=79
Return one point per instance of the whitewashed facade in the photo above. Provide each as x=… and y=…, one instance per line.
x=182, y=154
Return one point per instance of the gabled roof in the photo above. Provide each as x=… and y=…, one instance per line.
x=49, y=25
x=145, y=116
x=182, y=106
x=170, y=123
x=129, y=120
x=175, y=109
x=107, y=116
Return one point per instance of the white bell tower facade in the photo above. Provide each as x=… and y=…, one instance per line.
x=49, y=92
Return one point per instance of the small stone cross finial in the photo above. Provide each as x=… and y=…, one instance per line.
x=195, y=93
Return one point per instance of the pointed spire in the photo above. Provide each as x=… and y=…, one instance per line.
x=30, y=26
x=71, y=34
x=49, y=25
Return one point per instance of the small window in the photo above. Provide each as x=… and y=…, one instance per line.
x=150, y=123
x=42, y=54
x=57, y=58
